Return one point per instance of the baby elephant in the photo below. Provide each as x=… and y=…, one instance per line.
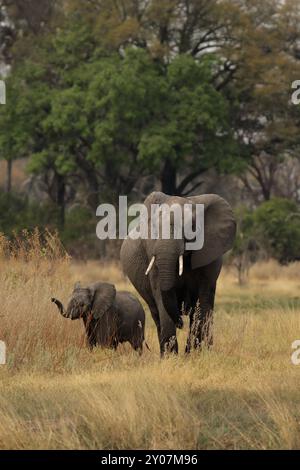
x=109, y=317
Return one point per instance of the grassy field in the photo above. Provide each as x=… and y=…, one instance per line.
x=55, y=394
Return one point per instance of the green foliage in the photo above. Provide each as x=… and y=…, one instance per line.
x=17, y=214
x=80, y=224
x=76, y=108
x=191, y=119
x=115, y=92
x=277, y=224
x=273, y=230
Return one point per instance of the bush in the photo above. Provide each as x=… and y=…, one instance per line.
x=80, y=223
x=277, y=227
x=272, y=231
x=17, y=214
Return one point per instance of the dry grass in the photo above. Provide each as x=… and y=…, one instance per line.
x=56, y=394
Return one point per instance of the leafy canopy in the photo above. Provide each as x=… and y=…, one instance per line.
x=121, y=114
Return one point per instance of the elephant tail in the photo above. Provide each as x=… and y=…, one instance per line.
x=147, y=346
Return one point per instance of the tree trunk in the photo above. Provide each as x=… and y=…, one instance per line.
x=93, y=194
x=266, y=191
x=8, y=176
x=92, y=181
x=168, y=178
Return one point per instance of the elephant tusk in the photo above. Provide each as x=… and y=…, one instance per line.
x=180, y=265
x=150, y=265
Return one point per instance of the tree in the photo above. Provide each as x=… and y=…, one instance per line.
x=28, y=104
x=21, y=21
x=257, y=44
x=132, y=114
x=15, y=125
x=265, y=59
x=167, y=29
x=150, y=97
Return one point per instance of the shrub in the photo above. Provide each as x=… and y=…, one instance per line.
x=18, y=213
x=80, y=223
x=272, y=231
x=277, y=227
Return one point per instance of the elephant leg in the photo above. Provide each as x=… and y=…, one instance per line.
x=90, y=333
x=201, y=319
x=167, y=337
x=155, y=315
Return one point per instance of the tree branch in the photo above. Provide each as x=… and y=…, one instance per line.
x=188, y=179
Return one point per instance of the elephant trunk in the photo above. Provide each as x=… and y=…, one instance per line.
x=167, y=273
x=168, y=269
x=170, y=302
x=168, y=256
x=60, y=307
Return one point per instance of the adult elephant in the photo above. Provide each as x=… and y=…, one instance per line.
x=171, y=278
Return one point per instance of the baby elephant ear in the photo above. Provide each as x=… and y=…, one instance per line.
x=219, y=229
x=103, y=297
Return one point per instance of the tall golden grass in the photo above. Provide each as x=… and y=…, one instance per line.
x=55, y=394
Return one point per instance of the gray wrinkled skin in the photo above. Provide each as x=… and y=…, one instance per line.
x=163, y=289
x=109, y=317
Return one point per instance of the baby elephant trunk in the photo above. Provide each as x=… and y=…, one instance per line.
x=60, y=307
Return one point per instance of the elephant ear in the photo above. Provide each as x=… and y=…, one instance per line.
x=103, y=295
x=219, y=229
